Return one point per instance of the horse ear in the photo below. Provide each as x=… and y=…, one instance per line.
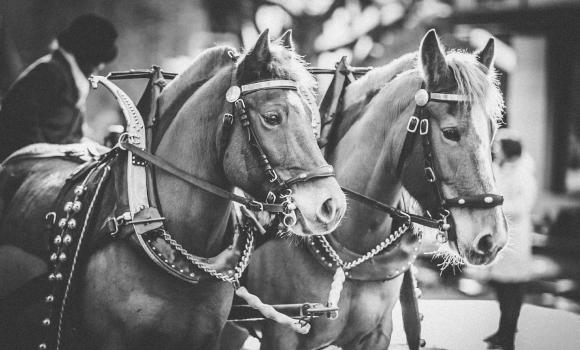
x=487, y=55
x=261, y=50
x=286, y=40
x=432, y=58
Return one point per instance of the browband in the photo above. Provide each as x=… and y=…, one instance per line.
x=269, y=84
x=448, y=97
x=423, y=96
x=235, y=92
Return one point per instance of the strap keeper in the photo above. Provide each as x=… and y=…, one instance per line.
x=424, y=127
x=413, y=124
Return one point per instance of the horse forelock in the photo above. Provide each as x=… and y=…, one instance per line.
x=371, y=83
x=479, y=84
x=283, y=64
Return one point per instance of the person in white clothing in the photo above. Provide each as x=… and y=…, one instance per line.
x=508, y=276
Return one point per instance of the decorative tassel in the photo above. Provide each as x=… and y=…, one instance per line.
x=269, y=312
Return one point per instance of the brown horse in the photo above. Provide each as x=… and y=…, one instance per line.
x=123, y=300
x=375, y=116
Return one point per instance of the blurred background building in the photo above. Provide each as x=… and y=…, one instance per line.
x=538, y=55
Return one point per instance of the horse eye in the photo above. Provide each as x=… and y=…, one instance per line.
x=272, y=118
x=451, y=134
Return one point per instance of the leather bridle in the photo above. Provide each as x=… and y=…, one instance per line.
x=419, y=124
x=285, y=206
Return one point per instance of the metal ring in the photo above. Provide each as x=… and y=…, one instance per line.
x=289, y=220
x=122, y=140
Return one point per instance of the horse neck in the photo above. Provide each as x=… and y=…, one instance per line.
x=369, y=167
x=197, y=219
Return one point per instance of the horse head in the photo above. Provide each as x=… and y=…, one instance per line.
x=460, y=135
x=283, y=121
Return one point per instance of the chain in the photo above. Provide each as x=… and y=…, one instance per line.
x=370, y=254
x=230, y=278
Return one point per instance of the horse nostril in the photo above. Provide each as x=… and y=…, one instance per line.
x=327, y=211
x=485, y=244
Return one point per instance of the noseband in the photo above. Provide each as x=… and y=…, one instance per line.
x=419, y=124
x=234, y=95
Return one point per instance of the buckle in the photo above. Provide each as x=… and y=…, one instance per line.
x=424, y=127
x=270, y=197
x=413, y=124
x=430, y=174
x=272, y=174
x=115, y=224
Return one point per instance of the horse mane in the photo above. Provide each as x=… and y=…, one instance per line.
x=283, y=64
x=403, y=77
x=480, y=85
x=365, y=88
x=203, y=67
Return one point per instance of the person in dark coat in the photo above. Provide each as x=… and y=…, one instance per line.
x=47, y=102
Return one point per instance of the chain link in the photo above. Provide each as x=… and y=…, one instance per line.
x=238, y=269
x=369, y=255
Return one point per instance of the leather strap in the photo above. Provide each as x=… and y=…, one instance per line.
x=410, y=310
x=204, y=185
x=397, y=213
x=330, y=102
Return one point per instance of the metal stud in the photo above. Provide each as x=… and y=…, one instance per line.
x=488, y=200
x=51, y=277
x=58, y=276
x=57, y=240
x=62, y=257
x=72, y=224
x=323, y=259
x=79, y=190
x=191, y=274
x=76, y=207
x=461, y=201
x=42, y=346
x=421, y=97
x=62, y=223
x=49, y=298
x=53, y=257
x=67, y=239
x=68, y=207
x=46, y=322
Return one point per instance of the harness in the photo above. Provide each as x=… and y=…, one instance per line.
x=140, y=219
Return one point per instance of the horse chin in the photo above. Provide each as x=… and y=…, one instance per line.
x=305, y=227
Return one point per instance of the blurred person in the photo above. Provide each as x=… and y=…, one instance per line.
x=47, y=102
x=509, y=275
